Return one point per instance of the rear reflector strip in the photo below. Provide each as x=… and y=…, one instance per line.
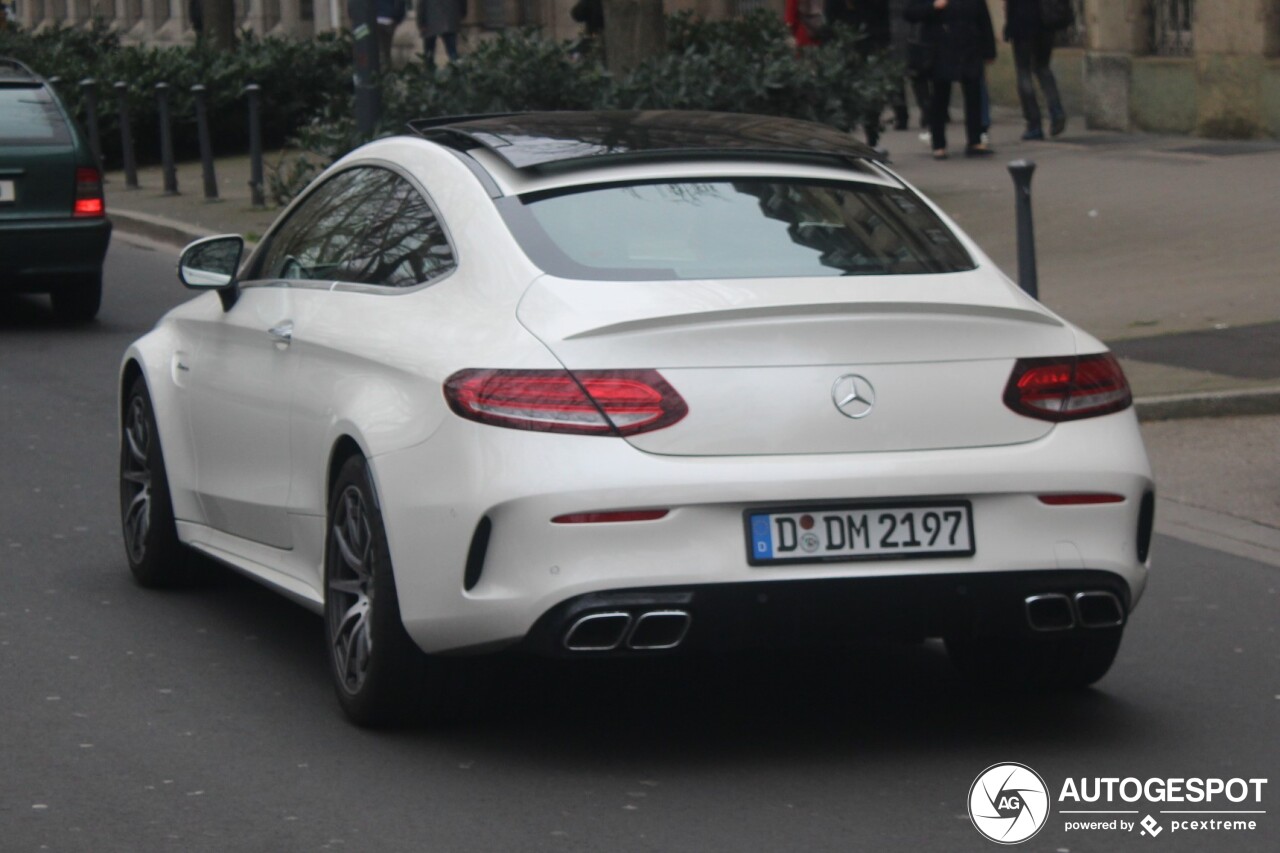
x=605, y=517
x=1081, y=499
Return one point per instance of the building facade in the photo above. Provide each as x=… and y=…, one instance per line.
x=1210, y=67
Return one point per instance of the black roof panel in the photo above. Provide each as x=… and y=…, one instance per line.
x=577, y=139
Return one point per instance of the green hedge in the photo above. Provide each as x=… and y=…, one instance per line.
x=740, y=65
x=299, y=80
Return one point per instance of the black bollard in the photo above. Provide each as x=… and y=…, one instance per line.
x=166, y=141
x=255, y=146
x=89, y=88
x=206, y=147
x=1027, y=279
x=126, y=136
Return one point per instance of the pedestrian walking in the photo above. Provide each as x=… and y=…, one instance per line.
x=806, y=21
x=871, y=17
x=388, y=14
x=960, y=37
x=440, y=19
x=1032, y=37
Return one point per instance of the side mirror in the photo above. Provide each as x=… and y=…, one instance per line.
x=212, y=264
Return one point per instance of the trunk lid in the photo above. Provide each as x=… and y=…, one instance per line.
x=762, y=363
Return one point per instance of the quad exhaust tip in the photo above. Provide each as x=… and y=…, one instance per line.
x=653, y=630
x=1056, y=611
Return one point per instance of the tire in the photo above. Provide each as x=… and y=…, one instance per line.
x=156, y=557
x=380, y=676
x=1059, y=663
x=78, y=300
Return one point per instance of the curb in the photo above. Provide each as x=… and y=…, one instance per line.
x=1209, y=404
x=178, y=234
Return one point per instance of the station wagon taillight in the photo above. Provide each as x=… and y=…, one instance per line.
x=1067, y=388
x=585, y=402
x=89, y=198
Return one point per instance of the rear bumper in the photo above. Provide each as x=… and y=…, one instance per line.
x=461, y=590
x=827, y=612
x=35, y=254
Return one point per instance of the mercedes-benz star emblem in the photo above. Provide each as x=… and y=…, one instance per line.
x=854, y=396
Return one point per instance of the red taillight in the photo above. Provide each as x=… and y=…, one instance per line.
x=608, y=517
x=586, y=402
x=89, y=200
x=1068, y=388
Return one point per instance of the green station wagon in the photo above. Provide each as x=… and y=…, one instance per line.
x=53, y=225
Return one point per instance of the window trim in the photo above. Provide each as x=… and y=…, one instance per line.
x=255, y=261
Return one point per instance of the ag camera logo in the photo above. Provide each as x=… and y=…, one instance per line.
x=1008, y=803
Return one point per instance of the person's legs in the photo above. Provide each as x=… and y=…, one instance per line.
x=1023, y=58
x=923, y=92
x=450, y=45
x=898, y=100
x=429, y=51
x=385, y=33
x=1043, y=53
x=971, y=88
x=986, y=101
x=938, y=113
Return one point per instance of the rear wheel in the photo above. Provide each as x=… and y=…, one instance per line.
x=156, y=557
x=78, y=299
x=380, y=676
x=1058, y=663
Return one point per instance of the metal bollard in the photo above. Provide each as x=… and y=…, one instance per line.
x=1027, y=279
x=255, y=146
x=166, y=141
x=126, y=136
x=89, y=88
x=206, y=147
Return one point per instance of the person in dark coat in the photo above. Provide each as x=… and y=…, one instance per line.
x=872, y=17
x=443, y=19
x=960, y=37
x=1032, y=49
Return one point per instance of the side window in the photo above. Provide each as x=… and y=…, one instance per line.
x=366, y=225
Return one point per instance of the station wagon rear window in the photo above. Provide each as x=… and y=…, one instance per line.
x=28, y=116
x=733, y=228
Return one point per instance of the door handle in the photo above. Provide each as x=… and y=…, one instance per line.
x=283, y=333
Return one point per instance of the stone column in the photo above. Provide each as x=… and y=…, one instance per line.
x=1115, y=31
x=1232, y=39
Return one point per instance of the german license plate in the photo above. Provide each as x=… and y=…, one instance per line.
x=867, y=532
x=7, y=194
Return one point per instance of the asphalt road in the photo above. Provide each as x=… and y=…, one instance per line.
x=202, y=720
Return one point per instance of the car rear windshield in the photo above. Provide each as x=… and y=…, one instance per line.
x=29, y=116
x=733, y=228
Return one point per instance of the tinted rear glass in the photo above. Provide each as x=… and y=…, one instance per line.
x=734, y=228
x=28, y=116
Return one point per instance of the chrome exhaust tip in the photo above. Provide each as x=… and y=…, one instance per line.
x=659, y=629
x=1050, y=612
x=1099, y=609
x=597, y=632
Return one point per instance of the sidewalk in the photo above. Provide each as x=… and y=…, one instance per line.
x=1164, y=247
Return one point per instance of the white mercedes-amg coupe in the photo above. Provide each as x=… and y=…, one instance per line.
x=623, y=384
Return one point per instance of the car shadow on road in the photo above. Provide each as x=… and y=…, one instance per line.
x=885, y=699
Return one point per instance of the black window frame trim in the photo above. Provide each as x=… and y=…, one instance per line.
x=256, y=258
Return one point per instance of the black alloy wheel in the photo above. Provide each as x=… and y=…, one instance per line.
x=378, y=672
x=156, y=557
